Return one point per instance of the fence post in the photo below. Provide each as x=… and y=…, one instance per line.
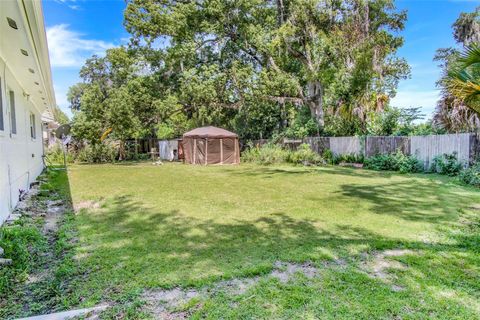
x=474, y=148
x=364, y=147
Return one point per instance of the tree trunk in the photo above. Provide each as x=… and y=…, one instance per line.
x=315, y=102
x=282, y=116
x=136, y=148
x=280, y=13
x=121, y=151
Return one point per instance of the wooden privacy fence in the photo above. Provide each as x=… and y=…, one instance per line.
x=425, y=148
x=346, y=145
x=386, y=145
x=141, y=145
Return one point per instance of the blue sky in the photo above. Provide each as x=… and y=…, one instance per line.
x=76, y=29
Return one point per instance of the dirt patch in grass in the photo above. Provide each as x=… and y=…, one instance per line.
x=89, y=204
x=284, y=271
x=236, y=286
x=167, y=303
x=382, y=262
x=181, y=303
x=55, y=210
x=37, y=277
x=475, y=207
x=163, y=303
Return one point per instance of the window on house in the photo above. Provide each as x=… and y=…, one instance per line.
x=13, y=116
x=33, y=133
x=1, y=107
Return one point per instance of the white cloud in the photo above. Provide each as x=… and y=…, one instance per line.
x=414, y=98
x=70, y=4
x=69, y=48
x=60, y=96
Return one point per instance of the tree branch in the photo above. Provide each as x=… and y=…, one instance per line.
x=283, y=99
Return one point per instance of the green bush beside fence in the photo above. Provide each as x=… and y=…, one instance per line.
x=446, y=164
x=471, y=175
x=97, y=153
x=394, y=162
x=272, y=153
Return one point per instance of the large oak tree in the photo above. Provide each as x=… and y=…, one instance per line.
x=331, y=55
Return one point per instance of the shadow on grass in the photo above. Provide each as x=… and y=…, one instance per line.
x=301, y=170
x=133, y=247
x=416, y=199
x=265, y=170
x=335, y=170
x=407, y=200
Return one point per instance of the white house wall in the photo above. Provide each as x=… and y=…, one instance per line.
x=20, y=155
x=24, y=69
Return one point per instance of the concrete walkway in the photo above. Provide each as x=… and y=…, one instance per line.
x=67, y=314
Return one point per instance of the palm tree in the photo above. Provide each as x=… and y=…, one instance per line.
x=462, y=80
x=453, y=115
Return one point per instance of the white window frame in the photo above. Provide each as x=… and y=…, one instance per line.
x=2, y=113
x=10, y=108
x=33, y=128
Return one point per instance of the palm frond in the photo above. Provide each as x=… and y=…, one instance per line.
x=463, y=78
x=470, y=57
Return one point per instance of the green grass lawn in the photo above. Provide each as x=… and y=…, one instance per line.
x=146, y=227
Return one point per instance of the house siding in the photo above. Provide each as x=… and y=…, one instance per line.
x=20, y=155
x=25, y=71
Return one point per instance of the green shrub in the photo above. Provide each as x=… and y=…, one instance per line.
x=328, y=156
x=304, y=155
x=446, y=164
x=380, y=162
x=266, y=154
x=97, y=153
x=132, y=155
x=55, y=155
x=349, y=158
x=331, y=158
x=272, y=153
x=409, y=164
x=394, y=162
x=471, y=175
